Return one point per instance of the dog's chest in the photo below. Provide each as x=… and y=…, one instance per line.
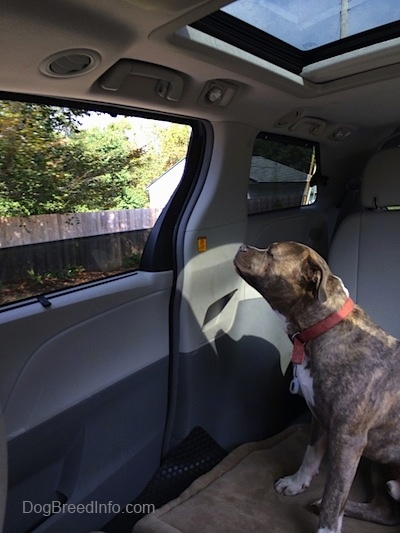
x=303, y=374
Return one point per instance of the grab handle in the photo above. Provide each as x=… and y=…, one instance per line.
x=169, y=86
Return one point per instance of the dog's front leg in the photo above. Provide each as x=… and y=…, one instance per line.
x=298, y=482
x=344, y=455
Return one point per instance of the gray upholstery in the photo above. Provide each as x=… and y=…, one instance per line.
x=380, y=185
x=365, y=251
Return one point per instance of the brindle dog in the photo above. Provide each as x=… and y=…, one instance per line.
x=349, y=375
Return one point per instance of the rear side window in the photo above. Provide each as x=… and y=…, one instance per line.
x=281, y=173
x=79, y=193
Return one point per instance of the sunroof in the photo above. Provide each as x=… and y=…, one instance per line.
x=295, y=33
x=309, y=24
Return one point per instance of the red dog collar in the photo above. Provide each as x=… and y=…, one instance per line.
x=302, y=337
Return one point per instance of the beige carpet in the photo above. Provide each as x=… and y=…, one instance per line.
x=238, y=495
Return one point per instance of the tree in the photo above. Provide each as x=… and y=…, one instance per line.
x=167, y=144
x=30, y=144
x=174, y=144
x=100, y=168
x=49, y=165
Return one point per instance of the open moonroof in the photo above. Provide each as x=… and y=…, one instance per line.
x=295, y=33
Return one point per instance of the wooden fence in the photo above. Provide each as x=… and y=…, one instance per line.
x=100, y=241
x=20, y=231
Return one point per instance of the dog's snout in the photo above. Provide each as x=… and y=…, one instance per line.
x=243, y=248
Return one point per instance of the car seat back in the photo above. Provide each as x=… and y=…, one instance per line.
x=365, y=250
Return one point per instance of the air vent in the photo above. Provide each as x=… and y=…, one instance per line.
x=70, y=63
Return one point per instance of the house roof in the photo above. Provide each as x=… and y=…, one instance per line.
x=177, y=168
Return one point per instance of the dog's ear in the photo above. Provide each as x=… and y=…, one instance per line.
x=320, y=278
x=317, y=272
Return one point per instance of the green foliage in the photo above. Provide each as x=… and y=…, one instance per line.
x=173, y=145
x=34, y=276
x=50, y=164
x=166, y=145
x=31, y=145
x=99, y=165
x=68, y=272
x=132, y=260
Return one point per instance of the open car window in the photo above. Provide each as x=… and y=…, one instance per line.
x=79, y=193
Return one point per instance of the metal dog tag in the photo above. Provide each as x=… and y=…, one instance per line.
x=294, y=386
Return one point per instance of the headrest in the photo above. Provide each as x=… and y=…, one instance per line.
x=380, y=185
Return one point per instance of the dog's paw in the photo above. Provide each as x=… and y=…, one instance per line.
x=393, y=488
x=292, y=485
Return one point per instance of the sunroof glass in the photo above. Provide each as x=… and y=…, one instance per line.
x=308, y=24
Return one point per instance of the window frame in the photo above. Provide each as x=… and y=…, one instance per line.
x=159, y=250
x=296, y=141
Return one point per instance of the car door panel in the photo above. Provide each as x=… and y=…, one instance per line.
x=87, y=405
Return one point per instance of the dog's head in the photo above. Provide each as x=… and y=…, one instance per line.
x=285, y=273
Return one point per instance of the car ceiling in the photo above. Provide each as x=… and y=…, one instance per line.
x=343, y=93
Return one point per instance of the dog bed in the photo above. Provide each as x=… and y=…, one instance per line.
x=238, y=494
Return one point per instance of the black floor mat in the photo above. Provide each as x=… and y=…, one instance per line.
x=194, y=456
